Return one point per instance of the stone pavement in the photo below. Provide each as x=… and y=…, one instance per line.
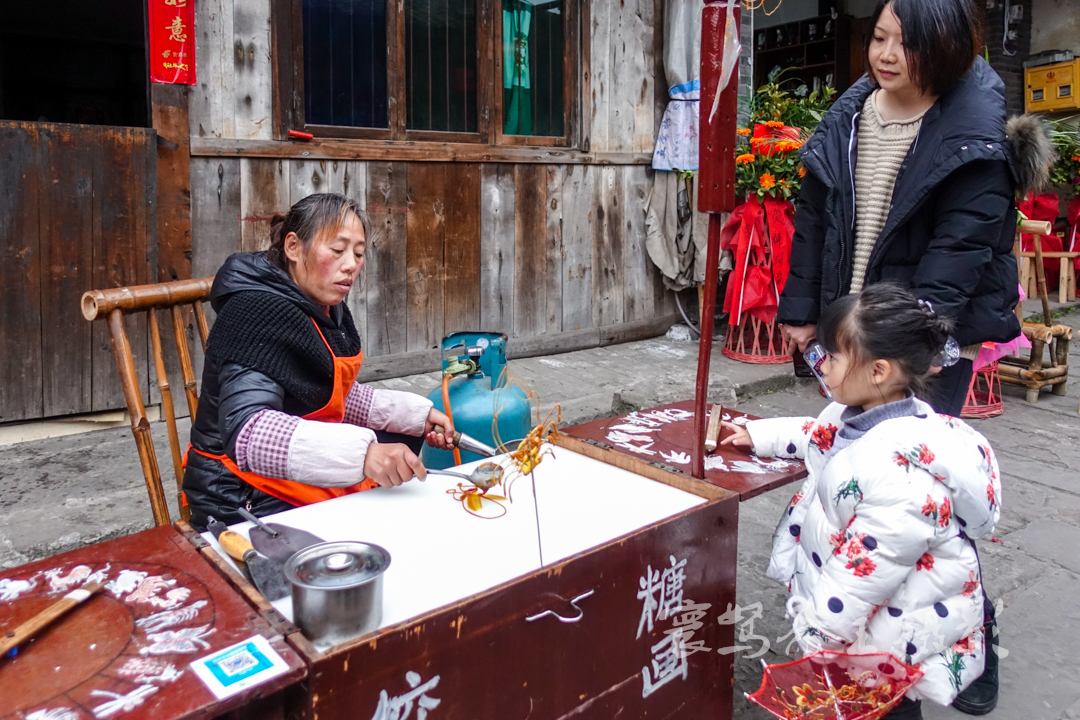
x=65, y=492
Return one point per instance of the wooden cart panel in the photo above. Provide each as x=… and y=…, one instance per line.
x=484, y=659
x=125, y=652
x=662, y=437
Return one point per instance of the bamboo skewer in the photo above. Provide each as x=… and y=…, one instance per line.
x=46, y=617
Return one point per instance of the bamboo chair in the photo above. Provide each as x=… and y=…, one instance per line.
x=113, y=304
x=1049, y=342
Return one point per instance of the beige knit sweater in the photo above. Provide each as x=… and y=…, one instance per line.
x=883, y=145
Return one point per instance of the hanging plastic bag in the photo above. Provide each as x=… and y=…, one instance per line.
x=729, y=60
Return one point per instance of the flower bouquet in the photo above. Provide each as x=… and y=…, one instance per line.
x=768, y=174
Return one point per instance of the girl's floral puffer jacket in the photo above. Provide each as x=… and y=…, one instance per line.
x=877, y=547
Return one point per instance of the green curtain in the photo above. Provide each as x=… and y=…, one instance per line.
x=517, y=90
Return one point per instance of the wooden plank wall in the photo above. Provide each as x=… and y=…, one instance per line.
x=74, y=215
x=552, y=255
x=625, y=85
x=627, y=91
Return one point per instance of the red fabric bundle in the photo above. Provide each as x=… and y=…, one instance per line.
x=760, y=239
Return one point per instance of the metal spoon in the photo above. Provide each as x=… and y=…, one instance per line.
x=484, y=476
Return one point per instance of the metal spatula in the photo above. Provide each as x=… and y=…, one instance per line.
x=276, y=541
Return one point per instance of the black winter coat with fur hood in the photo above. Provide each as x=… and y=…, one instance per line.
x=950, y=228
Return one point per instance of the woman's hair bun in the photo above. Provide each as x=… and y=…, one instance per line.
x=314, y=214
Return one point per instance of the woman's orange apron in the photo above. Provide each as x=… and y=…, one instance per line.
x=346, y=370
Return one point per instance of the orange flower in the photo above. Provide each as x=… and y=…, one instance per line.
x=744, y=158
x=774, y=124
x=757, y=140
x=767, y=181
x=802, y=171
x=1076, y=157
x=743, y=131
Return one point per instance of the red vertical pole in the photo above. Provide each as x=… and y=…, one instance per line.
x=716, y=194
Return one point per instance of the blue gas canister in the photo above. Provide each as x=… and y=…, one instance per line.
x=477, y=361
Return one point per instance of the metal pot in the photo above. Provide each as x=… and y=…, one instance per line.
x=337, y=589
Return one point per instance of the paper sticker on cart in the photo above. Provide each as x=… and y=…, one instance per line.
x=239, y=667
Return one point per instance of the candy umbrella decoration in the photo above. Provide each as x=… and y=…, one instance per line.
x=829, y=685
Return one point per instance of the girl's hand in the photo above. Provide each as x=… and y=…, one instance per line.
x=442, y=441
x=739, y=437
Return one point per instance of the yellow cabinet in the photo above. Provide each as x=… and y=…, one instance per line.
x=1052, y=87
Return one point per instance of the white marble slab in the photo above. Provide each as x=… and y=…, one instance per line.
x=440, y=554
x=583, y=503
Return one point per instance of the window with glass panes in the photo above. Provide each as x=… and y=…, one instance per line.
x=360, y=58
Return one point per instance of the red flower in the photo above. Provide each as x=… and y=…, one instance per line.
x=823, y=437
x=945, y=510
x=795, y=499
x=925, y=456
x=990, y=494
x=862, y=565
x=926, y=562
x=930, y=508
x=837, y=541
x=964, y=647
x=971, y=585
x=901, y=460
x=807, y=427
x=855, y=546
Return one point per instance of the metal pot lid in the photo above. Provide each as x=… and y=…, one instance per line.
x=337, y=564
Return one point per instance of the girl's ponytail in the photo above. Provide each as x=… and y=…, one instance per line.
x=886, y=322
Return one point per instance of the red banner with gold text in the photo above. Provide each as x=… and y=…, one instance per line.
x=172, y=41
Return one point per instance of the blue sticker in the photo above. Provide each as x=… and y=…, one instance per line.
x=238, y=664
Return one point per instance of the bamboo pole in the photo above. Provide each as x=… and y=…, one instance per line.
x=1040, y=278
x=190, y=387
x=96, y=303
x=200, y=322
x=169, y=410
x=140, y=426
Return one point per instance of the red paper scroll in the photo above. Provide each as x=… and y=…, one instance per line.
x=172, y=41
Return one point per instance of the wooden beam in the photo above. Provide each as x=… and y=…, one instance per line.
x=170, y=117
x=407, y=150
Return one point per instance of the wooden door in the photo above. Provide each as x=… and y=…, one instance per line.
x=76, y=213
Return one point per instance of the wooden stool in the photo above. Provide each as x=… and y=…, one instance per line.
x=1066, y=274
x=984, y=394
x=1035, y=372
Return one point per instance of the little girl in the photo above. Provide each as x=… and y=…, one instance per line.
x=877, y=548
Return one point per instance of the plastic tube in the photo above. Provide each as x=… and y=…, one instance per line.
x=449, y=414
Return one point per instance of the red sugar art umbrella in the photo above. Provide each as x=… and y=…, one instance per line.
x=830, y=685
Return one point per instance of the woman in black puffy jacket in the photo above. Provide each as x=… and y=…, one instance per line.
x=911, y=179
x=282, y=421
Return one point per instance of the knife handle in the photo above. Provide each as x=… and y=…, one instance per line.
x=235, y=544
x=454, y=440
